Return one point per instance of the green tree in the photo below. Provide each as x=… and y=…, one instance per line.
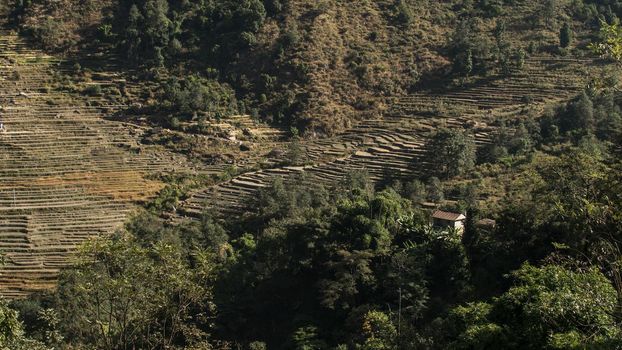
x=119, y=294
x=521, y=141
x=499, y=33
x=610, y=42
x=435, y=190
x=579, y=116
x=565, y=35
x=404, y=12
x=607, y=116
x=469, y=49
x=12, y=331
x=196, y=94
x=378, y=332
x=146, y=30
x=295, y=152
x=467, y=67
x=548, y=307
x=519, y=59
x=548, y=12
x=153, y=32
x=451, y=153
x=416, y=191
x=10, y=327
x=306, y=338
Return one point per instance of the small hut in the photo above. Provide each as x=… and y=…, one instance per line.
x=444, y=220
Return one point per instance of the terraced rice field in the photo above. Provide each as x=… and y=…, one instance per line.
x=66, y=173
x=69, y=171
x=395, y=144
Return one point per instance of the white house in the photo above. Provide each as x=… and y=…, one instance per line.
x=444, y=219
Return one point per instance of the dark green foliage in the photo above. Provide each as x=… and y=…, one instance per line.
x=581, y=115
x=452, y=153
x=311, y=268
x=608, y=118
x=11, y=336
x=490, y=8
x=435, y=192
x=592, y=11
x=404, y=12
x=565, y=35
x=519, y=58
x=415, y=191
x=336, y=257
x=198, y=95
x=517, y=140
x=143, y=295
x=465, y=63
x=504, y=63
x=155, y=32
x=471, y=50
x=92, y=90
x=146, y=31
x=273, y=7
x=295, y=154
x=17, y=9
x=548, y=307
x=499, y=34
x=597, y=114
x=577, y=116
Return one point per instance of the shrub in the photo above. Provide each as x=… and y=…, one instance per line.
x=519, y=58
x=404, y=13
x=470, y=49
x=565, y=36
x=198, y=95
x=435, y=190
x=52, y=35
x=77, y=68
x=504, y=63
x=532, y=48
x=174, y=123
x=92, y=90
x=490, y=8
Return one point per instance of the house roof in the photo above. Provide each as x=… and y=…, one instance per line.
x=445, y=215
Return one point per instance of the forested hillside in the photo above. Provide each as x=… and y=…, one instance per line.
x=295, y=174
x=315, y=65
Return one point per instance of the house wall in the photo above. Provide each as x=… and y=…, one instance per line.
x=459, y=225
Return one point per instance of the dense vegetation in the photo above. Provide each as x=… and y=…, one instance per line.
x=356, y=265
x=356, y=268
x=274, y=55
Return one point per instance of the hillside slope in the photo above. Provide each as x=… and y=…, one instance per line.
x=319, y=66
x=369, y=83
x=66, y=173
